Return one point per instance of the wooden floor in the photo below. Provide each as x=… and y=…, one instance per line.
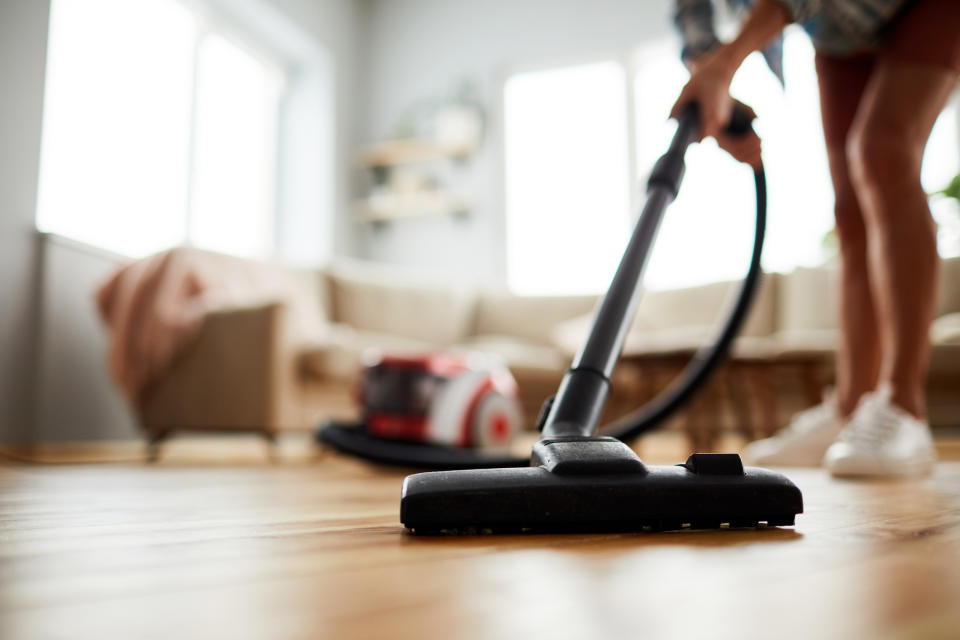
x=313, y=549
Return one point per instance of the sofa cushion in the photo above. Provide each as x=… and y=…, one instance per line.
x=532, y=318
x=378, y=300
x=807, y=300
x=341, y=356
x=946, y=329
x=806, y=342
x=519, y=354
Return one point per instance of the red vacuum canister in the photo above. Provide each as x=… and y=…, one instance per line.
x=440, y=398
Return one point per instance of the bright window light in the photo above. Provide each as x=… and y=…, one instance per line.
x=234, y=150
x=157, y=131
x=941, y=162
x=116, y=127
x=707, y=234
x=567, y=182
x=941, y=159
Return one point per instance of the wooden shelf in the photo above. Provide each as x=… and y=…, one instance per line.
x=400, y=206
x=410, y=151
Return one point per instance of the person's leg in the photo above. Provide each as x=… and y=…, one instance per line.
x=916, y=69
x=804, y=441
x=885, y=148
x=842, y=82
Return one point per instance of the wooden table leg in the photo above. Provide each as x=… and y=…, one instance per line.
x=154, y=440
x=812, y=381
x=763, y=399
x=703, y=420
x=737, y=385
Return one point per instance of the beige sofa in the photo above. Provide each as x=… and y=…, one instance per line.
x=243, y=371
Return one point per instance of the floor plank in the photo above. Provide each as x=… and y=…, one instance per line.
x=312, y=549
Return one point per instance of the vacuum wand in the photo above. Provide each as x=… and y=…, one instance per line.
x=583, y=392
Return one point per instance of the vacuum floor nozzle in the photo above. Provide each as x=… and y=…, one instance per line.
x=598, y=484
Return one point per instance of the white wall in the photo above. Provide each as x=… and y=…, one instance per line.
x=418, y=49
x=318, y=119
x=334, y=24
x=75, y=399
x=23, y=40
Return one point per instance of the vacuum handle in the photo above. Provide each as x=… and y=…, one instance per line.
x=615, y=313
x=583, y=391
x=741, y=120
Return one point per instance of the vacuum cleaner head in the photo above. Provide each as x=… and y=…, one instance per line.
x=598, y=484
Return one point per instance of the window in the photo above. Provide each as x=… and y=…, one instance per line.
x=941, y=162
x=567, y=178
x=159, y=130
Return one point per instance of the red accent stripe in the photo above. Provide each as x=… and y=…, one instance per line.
x=397, y=426
x=466, y=433
x=440, y=364
x=501, y=427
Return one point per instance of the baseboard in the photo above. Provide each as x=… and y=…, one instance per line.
x=188, y=448
x=76, y=452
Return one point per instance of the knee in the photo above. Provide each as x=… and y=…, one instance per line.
x=851, y=237
x=851, y=231
x=883, y=160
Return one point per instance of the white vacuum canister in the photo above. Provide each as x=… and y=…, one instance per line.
x=475, y=408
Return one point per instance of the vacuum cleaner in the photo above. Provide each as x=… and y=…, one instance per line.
x=449, y=399
x=577, y=479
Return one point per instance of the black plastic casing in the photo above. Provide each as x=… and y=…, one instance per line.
x=598, y=484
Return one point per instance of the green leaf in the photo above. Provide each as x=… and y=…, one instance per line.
x=952, y=190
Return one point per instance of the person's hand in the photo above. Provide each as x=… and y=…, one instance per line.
x=709, y=87
x=744, y=147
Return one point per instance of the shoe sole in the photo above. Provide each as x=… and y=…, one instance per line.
x=880, y=468
x=775, y=460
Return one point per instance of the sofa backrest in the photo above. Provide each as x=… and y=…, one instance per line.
x=948, y=295
x=807, y=300
x=808, y=296
x=385, y=300
x=315, y=285
x=703, y=306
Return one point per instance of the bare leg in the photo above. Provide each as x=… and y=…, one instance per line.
x=842, y=83
x=885, y=148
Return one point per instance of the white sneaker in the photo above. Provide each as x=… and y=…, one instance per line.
x=802, y=443
x=881, y=440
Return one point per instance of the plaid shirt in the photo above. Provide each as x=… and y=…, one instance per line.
x=838, y=27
